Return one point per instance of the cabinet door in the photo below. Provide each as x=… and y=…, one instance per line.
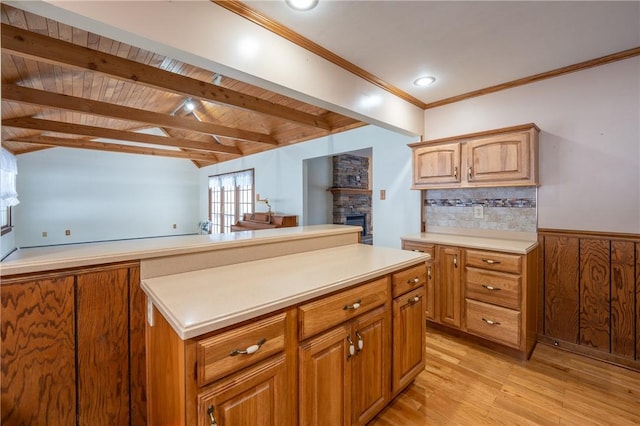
x=325, y=378
x=38, y=352
x=408, y=337
x=436, y=164
x=449, y=275
x=431, y=293
x=370, y=367
x=255, y=396
x=499, y=158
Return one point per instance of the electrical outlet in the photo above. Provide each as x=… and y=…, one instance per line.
x=478, y=212
x=67, y=232
x=383, y=194
x=174, y=226
x=44, y=234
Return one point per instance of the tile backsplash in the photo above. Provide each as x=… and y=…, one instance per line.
x=505, y=209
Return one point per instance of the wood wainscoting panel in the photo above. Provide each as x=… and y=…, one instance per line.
x=622, y=298
x=38, y=352
x=595, y=293
x=637, y=301
x=561, y=290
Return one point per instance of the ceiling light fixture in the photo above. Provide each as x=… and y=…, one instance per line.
x=189, y=105
x=424, y=81
x=301, y=4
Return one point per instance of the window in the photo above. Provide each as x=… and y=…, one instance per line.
x=230, y=196
x=8, y=194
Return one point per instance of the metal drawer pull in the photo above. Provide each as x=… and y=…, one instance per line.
x=412, y=300
x=490, y=322
x=429, y=272
x=418, y=250
x=352, y=348
x=360, y=342
x=415, y=280
x=455, y=172
x=250, y=350
x=491, y=288
x=352, y=307
x=455, y=261
x=212, y=420
x=491, y=261
x=470, y=173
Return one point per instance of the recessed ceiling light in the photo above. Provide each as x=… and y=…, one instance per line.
x=301, y=4
x=424, y=81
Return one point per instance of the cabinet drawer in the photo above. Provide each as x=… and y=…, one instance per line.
x=421, y=247
x=494, y=287
x=409, y=279
x=216, y=357
x=495, y=261
x=327, y=312
x=495, y=323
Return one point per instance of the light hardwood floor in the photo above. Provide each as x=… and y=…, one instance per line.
x=464, y=384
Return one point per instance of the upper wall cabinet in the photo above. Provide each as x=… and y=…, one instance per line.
x=502, y=157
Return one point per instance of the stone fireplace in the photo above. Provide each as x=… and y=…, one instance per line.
x=351, y=193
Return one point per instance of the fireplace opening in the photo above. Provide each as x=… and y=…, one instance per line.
x=358, y=220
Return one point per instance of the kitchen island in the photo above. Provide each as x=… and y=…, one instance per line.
x=73, y=317
x=328, y=336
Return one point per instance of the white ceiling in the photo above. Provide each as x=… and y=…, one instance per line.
x=466, y=45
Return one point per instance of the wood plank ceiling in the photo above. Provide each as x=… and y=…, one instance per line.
x=62, y=86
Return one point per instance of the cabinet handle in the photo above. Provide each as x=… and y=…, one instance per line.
x=429, y=272
x=490, y=322
x=352, y=307
x=212, y=420
x=455, y=172
x=455, y=260
x=415, y=280
x=491, y=288
x=250, y=350
x=418, y=250
x=413, y=300
x=360, y=342
x=352, y=348
x=470, y=172
x=491, y=261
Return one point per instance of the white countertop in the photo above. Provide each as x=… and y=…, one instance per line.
x=86, y=254
x=518, y=246
x=197, y=302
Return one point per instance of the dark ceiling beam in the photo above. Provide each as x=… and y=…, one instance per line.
x=114, y=147
x=25, y=43
x=42, y=98
x=123, y=135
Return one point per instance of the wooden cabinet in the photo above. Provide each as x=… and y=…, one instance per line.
x=592, y=295
x=489, y=294
x=345, y=372
x=336, y=359
x=502, y=157
x=408, y=319
x=73, y=347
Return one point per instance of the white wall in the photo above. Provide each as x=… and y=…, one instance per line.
x=589, y=142
x=279, y=176
x=318, y=202
x=103, y=196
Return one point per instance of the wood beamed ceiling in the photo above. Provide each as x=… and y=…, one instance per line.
x=65, y=87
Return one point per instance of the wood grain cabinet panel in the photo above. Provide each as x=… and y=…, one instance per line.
x=499, y=158
x=409, y=328
x=436, y=164
x=38, y=352
x=449, y=267
x=76, y=340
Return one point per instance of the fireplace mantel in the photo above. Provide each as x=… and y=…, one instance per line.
x=350, y=191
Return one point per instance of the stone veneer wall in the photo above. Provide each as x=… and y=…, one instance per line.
x=351, y=171
x=506, y=209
